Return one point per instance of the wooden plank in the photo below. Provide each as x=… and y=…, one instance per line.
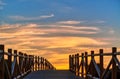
x=51, y=74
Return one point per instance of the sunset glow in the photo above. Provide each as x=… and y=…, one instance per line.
x=56, y=29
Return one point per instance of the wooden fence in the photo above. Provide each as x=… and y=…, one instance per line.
x=95, y=70
x=15, y=65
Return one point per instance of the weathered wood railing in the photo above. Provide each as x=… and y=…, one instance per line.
x=95, y=70
x=15, y=65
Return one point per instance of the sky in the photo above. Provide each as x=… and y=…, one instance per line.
x=55, y=29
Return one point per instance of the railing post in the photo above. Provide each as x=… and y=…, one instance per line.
x=45, y=64
x=20, y=61
x=25, y=62
x=35, y=63
x=82, y=65
x=38, y=63
x=114, y=70
x=70, y=62
x=49, y=66
x=29, y=61
x=92, y=55
x=41, y=63
x=32, y=63
x=29, y=64
x=86, y=63
x=14, y=68
x=92, y=58
x=74, y=64
x=101, y=63
x=22, y=69
x=2, y=69
x=77, y=65
x=10, y=61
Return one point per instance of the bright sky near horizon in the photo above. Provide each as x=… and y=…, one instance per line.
x=56, y=28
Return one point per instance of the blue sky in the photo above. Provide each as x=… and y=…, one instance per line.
x=59, y=27
x=95, y=10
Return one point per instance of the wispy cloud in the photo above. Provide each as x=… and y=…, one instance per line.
x=82, y=27
x=40, y=32
x=31, y=18
x=69, y=22
x=47, y=30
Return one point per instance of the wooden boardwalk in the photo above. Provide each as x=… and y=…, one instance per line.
x=51, y=74
x=16, y=65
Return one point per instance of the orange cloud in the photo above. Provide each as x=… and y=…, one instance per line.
x=49, y=41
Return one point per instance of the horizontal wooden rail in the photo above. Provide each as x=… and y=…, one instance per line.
x=15, y=65
x=95, y=70
x=105, y=54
